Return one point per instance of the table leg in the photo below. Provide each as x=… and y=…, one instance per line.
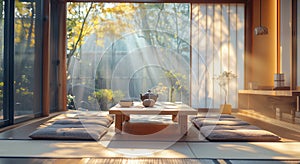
x=126, y=118
x=297, y=114
x=298, y=106
x=118, y=123
x=182, y=121
x=174, y=118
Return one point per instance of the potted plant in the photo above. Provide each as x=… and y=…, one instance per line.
x=104, y=97
x=223, y=80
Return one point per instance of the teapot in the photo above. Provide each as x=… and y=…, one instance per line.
x=148, y=102
x=149, y=95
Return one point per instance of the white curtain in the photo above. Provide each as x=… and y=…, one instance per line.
x=217, y=32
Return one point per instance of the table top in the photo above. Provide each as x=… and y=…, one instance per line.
x=160, y=108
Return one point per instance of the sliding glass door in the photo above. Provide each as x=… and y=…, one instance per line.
x=27, y=59
x=2, y=15
x=119, y=50
x=20, y=60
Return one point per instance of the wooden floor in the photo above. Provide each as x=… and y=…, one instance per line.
x=108, y=161
x=138, y=161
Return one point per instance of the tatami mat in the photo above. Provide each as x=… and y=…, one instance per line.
x=205, y=150
x=191, y=146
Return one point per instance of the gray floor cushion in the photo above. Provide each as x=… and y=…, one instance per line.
x=94, y=116
x=213, y=115
x=100, y=121
x=69, y=133
x=87, y=126
x=199, y=122
x=228, y=127
x=231, y=129
x=238, y=135
x=75, y=125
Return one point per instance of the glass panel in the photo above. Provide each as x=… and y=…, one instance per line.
x=125, y=49
x=1, y=57
x=25, y=20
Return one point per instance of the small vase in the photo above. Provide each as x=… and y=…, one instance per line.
x=225, y=108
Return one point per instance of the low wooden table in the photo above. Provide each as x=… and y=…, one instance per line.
x=178, y=111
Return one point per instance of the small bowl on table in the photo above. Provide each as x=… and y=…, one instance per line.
x=126, y=103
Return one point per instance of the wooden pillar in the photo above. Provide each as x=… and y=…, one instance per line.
x=62, y=68
x=46, y=59
x=248, y=61
x=278, y=59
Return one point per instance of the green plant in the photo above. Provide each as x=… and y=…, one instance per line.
x=70, y=101
x=162, y=90
x=117, y=96
x=176, y=83
x=106, y=97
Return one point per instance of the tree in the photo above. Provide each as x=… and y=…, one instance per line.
x=162, y=24
x=177, y=83
x=25, y=22
x=102, y=19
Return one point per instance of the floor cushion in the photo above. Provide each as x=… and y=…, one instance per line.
x=228, y=127
x=75, y=125
x=87, y=126
x=231, y=129
x=213, y=115
x=69, y=133
x=240, y=135
x=100, y=121
x=199, y=122
x=94, y=116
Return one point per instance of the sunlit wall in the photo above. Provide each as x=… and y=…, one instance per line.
x=218, y=46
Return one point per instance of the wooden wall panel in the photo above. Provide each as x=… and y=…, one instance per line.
x=263, y=59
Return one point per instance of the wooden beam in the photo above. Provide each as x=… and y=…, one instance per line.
x=248, y=63
x=278, y=60
x=62, y=68
x=294, y=46
x=46, y=60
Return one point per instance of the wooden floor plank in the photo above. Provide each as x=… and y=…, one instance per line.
x=137, y=161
